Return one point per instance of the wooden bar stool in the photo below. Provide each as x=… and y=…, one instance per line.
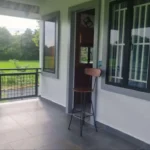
x=83, y=91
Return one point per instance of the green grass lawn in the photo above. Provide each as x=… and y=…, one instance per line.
x=8, y=64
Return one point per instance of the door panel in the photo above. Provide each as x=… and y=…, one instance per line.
x=84, y=49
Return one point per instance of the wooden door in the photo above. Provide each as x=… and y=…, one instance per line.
x=84, y=49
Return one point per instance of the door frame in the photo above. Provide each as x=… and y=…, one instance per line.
x=94, y=4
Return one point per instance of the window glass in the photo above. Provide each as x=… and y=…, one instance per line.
x=117, y=42
x=49, y=46
x=139, y=57
x=129, y=45
x=86, y=55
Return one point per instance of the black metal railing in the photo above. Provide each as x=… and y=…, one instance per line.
x=19, y=83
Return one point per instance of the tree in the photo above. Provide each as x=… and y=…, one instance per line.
x=19, y=46
x=5, y=38
x=29, y=49
x=36, y=37
x=14, y=51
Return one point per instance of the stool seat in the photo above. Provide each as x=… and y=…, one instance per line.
x=83, y=90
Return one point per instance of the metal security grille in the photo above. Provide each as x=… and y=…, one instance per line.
x=139, y=60
x=129, y=44
x=117, y=42
x=18, y=85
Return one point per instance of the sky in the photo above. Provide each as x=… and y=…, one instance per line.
x=137, y=32
x=49, y=34
x=14, y=24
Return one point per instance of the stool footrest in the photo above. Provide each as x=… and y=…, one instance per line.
x=82, y=112
x=86, y=115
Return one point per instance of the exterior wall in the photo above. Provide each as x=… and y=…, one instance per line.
x=56, y=89
x=127, y=114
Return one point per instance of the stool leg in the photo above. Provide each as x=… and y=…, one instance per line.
x=94, y=117
x=84, y=107
x=71, y=119
x=82, y=114
x=82, y=121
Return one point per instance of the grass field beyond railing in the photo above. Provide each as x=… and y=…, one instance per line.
x=10, y=65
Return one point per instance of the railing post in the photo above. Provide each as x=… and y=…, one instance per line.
x=0, y=87
x=36, y=82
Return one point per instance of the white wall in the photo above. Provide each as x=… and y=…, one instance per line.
x=55, y=89
x=127, y=114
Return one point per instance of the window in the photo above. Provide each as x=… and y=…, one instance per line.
x=86, y=55
x=51, y=43
x=129, y=44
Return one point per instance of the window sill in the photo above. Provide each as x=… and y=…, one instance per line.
x=49, y=74
x=128, y=87
x=128, y=91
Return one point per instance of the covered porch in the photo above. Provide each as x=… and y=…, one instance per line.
x=122, y=114
x=40, y=124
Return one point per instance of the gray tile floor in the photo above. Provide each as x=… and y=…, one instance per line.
x=35, y=124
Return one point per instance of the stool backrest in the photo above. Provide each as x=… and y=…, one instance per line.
x=93, y=73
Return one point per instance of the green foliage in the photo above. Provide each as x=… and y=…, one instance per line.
x=5, y=39
x=36, y=37
x=11, y=81
x=10, y=64
x=17, y=64
x=49, y=62
x=19, y=46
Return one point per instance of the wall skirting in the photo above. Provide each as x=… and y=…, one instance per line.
x=139, y=143
x=53, y=103
x=126, y=137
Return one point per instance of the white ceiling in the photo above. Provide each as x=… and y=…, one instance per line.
x=20, y=5
x=31, y=2
x=20, y=8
